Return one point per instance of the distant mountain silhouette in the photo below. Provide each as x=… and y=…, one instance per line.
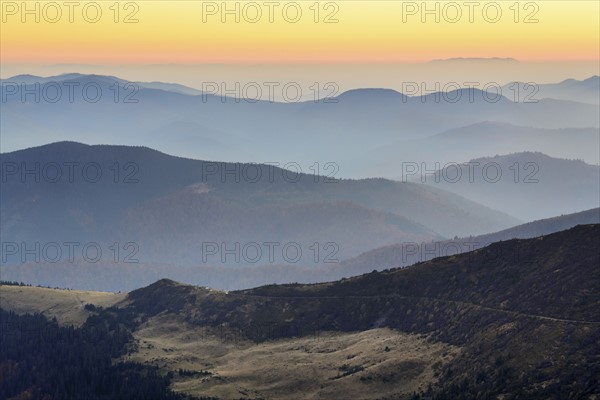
x=483, y=138
x=74, y=77
x=586, y=91
x=178, y=120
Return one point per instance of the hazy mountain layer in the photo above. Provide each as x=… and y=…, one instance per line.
x=162, y=209
x=341, y=130
x=526, y=185
x=587, y=90
x=127, y=276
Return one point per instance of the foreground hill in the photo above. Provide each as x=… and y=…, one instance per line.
x=561, y=267
x=169, y=206
x=517, y=319
x=525, y=313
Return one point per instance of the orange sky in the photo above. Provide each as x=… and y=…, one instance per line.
x=179, y=32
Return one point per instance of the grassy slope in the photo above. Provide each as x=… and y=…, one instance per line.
x=67, y=306
x=292, y=368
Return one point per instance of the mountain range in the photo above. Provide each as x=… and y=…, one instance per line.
x=337, y=248
x=516, y=319
x=169, y=207
x=181, y=121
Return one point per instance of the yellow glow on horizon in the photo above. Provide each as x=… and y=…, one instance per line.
x=373, y=31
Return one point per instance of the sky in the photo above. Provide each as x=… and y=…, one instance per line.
x=179, y=32
x=544, y=36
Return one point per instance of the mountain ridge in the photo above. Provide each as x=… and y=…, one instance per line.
x=169, y=208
